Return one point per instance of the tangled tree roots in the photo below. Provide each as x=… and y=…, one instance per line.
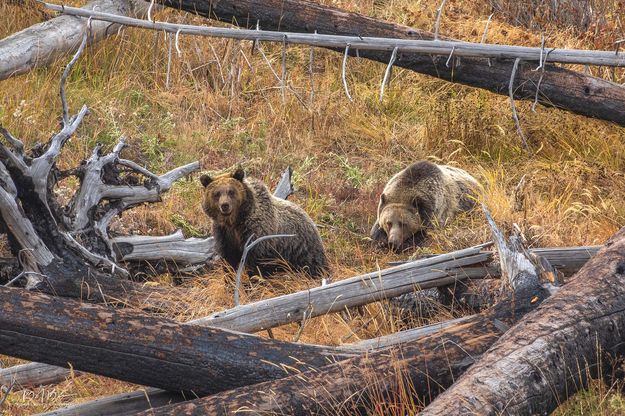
x=68, y=250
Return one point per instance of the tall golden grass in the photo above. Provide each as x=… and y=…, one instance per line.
x=224, y=107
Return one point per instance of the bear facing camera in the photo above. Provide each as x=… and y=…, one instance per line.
x=421, y=196
x=240, y=207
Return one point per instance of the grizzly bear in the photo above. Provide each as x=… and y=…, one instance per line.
x=242, y=208
x=419, y=197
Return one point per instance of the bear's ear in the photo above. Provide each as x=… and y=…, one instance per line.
x=239, y=174
x=205, y=180
x=382, y=199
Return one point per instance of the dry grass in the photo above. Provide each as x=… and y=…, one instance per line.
x=342, y=153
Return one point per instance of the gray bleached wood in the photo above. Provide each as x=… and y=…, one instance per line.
x=359, y=290
x=567, y=260
x=32, y=375
x=429, y=47
x=43, y=43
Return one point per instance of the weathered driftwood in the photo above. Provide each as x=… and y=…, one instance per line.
x=405, y=337
x=360, y=290
x=561, y=88
x=567, y=260
x=41, y=44
x=140, y=348
x=549, y=355
x=361, y=43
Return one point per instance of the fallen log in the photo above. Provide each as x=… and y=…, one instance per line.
x=359, y=290
x=32, y=375
x=430, y=273
x=41, y=44
x=360, y=43
x=567, y=260
x=140, y=400
x=549, y=355
x=565, y=89
x=426, y=366
x=140, y=348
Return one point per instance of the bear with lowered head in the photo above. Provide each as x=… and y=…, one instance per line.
x=241, y=208
x=419, y=197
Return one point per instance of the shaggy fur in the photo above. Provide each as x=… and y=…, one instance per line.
x=419, y=197
x=242, y=207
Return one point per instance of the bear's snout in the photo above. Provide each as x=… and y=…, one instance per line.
x=395, y=242
x=225, y=208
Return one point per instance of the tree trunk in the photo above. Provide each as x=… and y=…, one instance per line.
x=139, y=348
x=549, y=355
x=359, y=290
x=561, y=88
x=42, y=44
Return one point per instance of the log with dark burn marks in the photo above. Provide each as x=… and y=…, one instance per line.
x=140, y=348
x=561, y=88
x=428, y=366
x=548, y=356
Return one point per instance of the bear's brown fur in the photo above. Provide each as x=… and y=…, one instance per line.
x=419, y=197
x=242, y=207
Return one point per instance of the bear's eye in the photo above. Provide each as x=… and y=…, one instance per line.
x=389, y=225
x=231, y=193
x=216, y=194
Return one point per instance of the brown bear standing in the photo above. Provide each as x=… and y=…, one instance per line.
x=242, y=208
x=419, y=197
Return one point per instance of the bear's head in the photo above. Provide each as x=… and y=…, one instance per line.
x=224, y=196
x=400, y=221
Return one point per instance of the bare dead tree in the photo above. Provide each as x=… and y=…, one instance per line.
x=68, y=249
